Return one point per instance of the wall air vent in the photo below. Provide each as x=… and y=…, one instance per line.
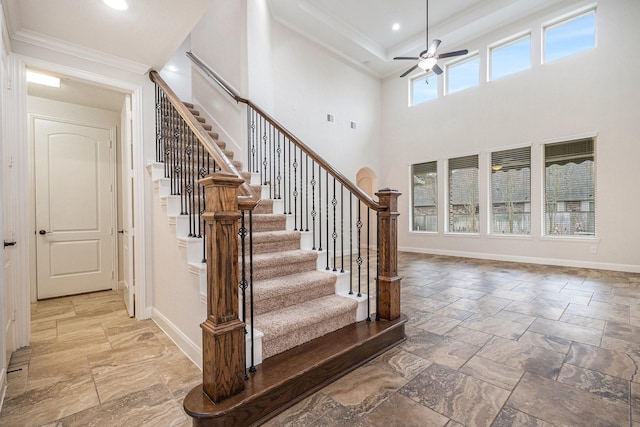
x=331, y=118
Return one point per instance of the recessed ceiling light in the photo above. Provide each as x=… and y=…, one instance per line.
x=117, y=4
x=42, y=79
x=395, y=27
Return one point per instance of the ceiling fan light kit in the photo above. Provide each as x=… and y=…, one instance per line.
x=428, y=60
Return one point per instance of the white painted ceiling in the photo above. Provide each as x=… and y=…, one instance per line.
x=142, y=37
x=148, y=33
x=360, y=30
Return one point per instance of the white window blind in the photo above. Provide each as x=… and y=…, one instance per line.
x=425, y=196
x=463, y=194
x=511, y=191
x=570, y=197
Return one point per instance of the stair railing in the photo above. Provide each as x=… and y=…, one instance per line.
x=323, y=204
x=326, y=204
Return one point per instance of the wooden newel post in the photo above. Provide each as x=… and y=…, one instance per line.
x=223, y=332
x=388, y=279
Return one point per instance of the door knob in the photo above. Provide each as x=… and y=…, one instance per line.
x=42, y=232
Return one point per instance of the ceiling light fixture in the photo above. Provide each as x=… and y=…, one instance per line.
x=117, y=4
x=428, y=63
x=42, y=79
x=395, y=27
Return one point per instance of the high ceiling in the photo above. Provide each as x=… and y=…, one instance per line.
x=137, y=39
x=360, y=30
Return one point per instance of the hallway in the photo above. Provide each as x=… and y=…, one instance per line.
x=90, y=364
x=489, y=344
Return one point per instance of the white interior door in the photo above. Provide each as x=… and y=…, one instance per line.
x=74, y=208
x=126, y=200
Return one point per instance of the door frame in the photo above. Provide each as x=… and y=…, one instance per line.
x=112, y=169
x=25, y=200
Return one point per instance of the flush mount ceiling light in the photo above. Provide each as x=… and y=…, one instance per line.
x=117, y=4
x=42, y=79
x=395, y=27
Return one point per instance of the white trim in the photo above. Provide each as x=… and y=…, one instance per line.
x=184, y=343
x=3, y=385
x=628, y=268
x=18, y=135
x=143, y=311
x=57, y=45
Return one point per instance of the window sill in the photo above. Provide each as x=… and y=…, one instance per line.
x=586, y=239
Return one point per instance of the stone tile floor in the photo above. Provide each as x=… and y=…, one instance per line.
x=489, y=344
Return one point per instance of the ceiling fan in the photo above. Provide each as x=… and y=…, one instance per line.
x=428, y=59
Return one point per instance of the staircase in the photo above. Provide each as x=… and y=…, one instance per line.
x=309, y=309
x=294, y=300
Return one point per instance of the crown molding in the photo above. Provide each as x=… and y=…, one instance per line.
x=57, y=45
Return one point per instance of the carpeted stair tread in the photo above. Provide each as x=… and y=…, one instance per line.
x=278, y=264
x=291, y=326
x=280, y=292
x=264, y=207
x=275, y=241
x=268, y=222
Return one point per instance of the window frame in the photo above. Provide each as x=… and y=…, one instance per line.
x=490, y=205
x=508, y=41
x=452, y=64
x=449, y=205
x=437, y=197
x=564, y=19
x=423, y=76
x=543, y=201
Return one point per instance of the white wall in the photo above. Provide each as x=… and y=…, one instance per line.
x=594, y=92
x=177, y=71
x=310, y=82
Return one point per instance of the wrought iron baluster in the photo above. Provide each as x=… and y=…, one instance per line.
x=289, y=176
x=279, y=176
x=306, y=190
x=313, y=203
x=295, y=191
x=334, y=235
x=368, y=267
x=342, y=227
x=359, y=258
x=242, y=232
x=252, y=368
x=272, y=152
x=265, y=151
x=350, y=243
x=377, y=266
x=320, y=207
x=326, y=189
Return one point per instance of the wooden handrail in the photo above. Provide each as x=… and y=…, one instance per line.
x=248, y=199
x=361, y=195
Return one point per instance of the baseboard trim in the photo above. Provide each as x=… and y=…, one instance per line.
x=527, y=260
x=184, y=343
x=3, y=386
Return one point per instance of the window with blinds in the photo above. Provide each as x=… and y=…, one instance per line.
x=511, y=191
x=463, y=194
x=424, y=197
x=570, y=197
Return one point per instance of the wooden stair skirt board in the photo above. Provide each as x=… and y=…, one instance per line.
x=287, y=378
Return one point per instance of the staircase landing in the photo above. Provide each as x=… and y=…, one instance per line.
x=287, y=378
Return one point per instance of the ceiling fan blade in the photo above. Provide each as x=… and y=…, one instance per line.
x=436, y=69
x=433, y=47
x=454, y=53
x=409, y=70
x=413, y=58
